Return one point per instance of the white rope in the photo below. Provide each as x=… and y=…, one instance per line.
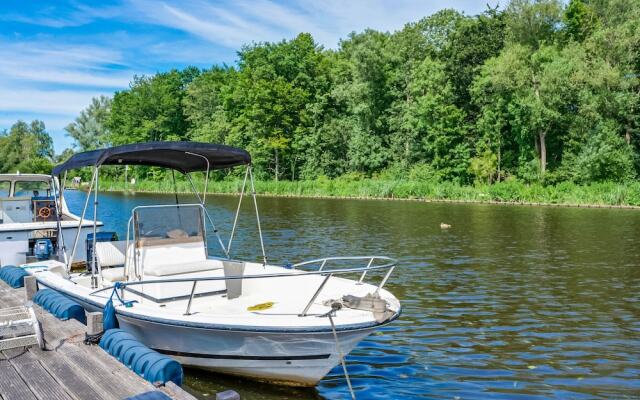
x=344, y=365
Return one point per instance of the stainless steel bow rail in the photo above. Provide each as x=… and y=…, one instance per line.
x=374, y=263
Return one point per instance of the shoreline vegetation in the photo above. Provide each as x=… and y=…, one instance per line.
x=536, y=102
x=596, y=195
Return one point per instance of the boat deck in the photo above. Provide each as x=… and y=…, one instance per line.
x=68, y=369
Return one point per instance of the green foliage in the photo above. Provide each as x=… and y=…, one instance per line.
x=533, y=23
x=89, y=130
x=542, y=92
x=604, y=157
x=484, y=166
x=151, y=110
x=26, y=148
x=580, y=19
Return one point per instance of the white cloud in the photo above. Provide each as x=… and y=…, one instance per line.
x=47, y=62
x=234, y=23
x=72, y=15
x=47, y=80
x=35, y=100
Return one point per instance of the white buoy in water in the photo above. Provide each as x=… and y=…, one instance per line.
x=444, y=226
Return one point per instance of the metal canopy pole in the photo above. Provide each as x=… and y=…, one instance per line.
x=235, y=219
x=215, y=230
x=58, y=201
x=94, y=266
x=255, y=203
x=84, y=211
x=206, y=179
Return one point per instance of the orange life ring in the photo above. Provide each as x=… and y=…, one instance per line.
x=44, y=212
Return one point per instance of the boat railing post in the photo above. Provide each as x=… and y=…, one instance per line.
x=127, y=266
x=315, y=295
x=84, y=211
x=193, y=291
x=364, y=273
x=322, y=265
x=384, y=280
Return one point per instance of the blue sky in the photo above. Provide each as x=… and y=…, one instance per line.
x=56, y=55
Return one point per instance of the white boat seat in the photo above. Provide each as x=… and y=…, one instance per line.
x=111, y=254
x=115, y=274
x=175, y=256
x=183, y=268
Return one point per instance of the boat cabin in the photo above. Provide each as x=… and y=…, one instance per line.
x=26, y=198
x=30, y=222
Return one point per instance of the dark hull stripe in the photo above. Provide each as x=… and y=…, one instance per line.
x=239, y=357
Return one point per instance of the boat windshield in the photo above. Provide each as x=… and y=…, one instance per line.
x=5, y=188
x=32, y=189
x=176, y=223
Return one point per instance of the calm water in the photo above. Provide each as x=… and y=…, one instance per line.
x=510, y=303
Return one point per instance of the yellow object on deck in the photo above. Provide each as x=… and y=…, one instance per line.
x=261, y=306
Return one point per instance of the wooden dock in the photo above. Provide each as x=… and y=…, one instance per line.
x=68, y=369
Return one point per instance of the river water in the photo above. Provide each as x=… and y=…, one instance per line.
x=511, y=302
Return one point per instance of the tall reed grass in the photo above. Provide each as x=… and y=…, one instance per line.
x=606, y=193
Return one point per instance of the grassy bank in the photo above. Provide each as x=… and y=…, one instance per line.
x=509, y=192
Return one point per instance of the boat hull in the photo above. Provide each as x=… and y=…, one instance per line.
x=295, y=354
x=286, y=357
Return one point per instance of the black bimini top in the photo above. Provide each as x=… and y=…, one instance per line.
x=182, y=156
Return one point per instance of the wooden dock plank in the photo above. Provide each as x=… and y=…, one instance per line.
x=101, y=377
x=12, y=387
x=124, y=374
x=67, y=376
x=68, y=369
x=41, y=384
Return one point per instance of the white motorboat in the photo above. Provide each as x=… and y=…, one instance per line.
x=282, y=324
x=34, y=222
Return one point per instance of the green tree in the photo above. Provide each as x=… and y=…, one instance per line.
x=269, y=104
x=604, y=157
x=580, y=20
x=204, y=105
x=64, y=156
x=151, y=110
x=474, y=41
x=533, y=22
x=89, y=129
x=26, y=148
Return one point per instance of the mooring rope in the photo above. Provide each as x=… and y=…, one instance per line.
x=335, y=307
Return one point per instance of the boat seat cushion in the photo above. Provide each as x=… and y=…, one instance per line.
x=182, y=268
x=170, y=257
x=111, y=254
x=115, y=274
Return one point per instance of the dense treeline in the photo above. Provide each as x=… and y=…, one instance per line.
x=26, y=148
x=540, y=91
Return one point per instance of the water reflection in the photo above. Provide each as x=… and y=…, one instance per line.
x=510, y=302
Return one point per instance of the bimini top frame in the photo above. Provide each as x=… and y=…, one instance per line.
x=185, y=157
x=182, y=156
